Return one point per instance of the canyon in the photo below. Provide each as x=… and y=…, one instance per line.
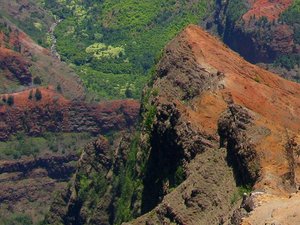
x=213, y=140
x=218, y=145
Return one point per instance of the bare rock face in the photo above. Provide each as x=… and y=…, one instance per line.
x=28, y=185
x=53, y=113
x=213, y=127
x=15, y=66
x=91, y=196
x=215, y=119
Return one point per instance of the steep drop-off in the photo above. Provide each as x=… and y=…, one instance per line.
x=214, y=126
x=209, y=98
x=262, y=32
x=28, y=184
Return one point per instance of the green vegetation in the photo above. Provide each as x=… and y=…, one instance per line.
x=288, y=61
x=179, y=177
x=130, y=186
x=33, y=20
x=91, y=188
x=21, y=145
x=38, y=94
x=292, y=18
x=16, y=219
x=10, y=100
x=113, y=44
x=235, y=9
x=149, y=117
x=238, y=194
x=149, y=109
x=37, y=80
x=292, y=15
x=30, y=96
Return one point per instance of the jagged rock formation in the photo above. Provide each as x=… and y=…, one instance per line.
x=91, y=197
x=257, y=30
x=27, y=185
x=54, y=113
x=234, y=105
x=213, y=125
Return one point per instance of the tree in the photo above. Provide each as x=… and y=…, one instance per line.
x=30, y=95
x=10, y=100
x=128, y=93
x=37, y=80
x=58, y=88
x=38, y=94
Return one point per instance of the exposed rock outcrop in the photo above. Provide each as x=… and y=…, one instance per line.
x=27, y=185
x=214, y=126
x=53, y=113
x=91, y=197
x=234, y=106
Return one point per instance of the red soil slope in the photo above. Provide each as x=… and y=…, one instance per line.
x=15, y=66
x=267, y=8
x=251, y=112
x=275, y=102
x=55, y=113
x=50, y=69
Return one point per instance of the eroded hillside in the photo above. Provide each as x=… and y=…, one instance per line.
x=215, y=128
x=265, y=32
x=42, y=135
x=24, y=63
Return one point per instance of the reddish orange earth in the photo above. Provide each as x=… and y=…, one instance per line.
x=274, y=102
x=270, y=9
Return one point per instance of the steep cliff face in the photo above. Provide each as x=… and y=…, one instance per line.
x=214, y=128
x=262, y=32
x=54, y=113
x=91, y=197
x=228, y=124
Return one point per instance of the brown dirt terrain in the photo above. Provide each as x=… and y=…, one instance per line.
x=211, y=95
x=267, y=8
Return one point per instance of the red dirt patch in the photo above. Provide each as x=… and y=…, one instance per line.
x=54, y=113
x=21, y=99
x=267, y=8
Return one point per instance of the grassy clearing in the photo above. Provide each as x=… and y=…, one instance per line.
x=22, y=145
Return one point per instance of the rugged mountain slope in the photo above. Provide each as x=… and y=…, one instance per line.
x=213, y=126
x=28, y=184
x=22, y=60
x=229, y=103
x=263, y=32
x=30, y=16
x=54, y=113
